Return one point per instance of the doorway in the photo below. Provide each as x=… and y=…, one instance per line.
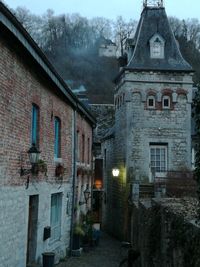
x=32, y=229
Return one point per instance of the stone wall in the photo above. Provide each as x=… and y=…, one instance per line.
x=138, y=127
x=143, y=126
x=165, y=232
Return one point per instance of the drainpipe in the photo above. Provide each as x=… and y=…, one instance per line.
x=74, y=179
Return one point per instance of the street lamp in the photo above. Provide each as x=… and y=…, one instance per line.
x=115, y=172
x=86, y=194
x=33, y=153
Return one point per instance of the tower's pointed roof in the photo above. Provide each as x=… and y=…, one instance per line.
x=153, y=21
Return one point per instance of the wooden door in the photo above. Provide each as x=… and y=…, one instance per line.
x=32, y=229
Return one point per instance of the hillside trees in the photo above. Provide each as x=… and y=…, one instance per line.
x=122, y=31
x=71, y=43
x=187, y=33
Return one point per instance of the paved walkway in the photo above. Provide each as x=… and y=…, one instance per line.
x=106, y=254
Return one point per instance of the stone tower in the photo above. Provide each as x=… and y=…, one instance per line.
x=153, y=101
x=152, y=133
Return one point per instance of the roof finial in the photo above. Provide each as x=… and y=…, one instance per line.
x=153, y=3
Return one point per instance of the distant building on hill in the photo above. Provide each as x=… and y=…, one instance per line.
x=106, y=47
x=81, y=93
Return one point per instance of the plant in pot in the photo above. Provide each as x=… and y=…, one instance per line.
x=59, y=171
x=88, y=229
x=42, y=166
x=87, y=238
x=78, y=233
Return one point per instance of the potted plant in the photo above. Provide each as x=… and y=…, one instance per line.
x=88, y=229
x=59, y=171
x=77, y=234
x=42, y=166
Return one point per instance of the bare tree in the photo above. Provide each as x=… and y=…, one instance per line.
x=122, y=31
x=101, y=27
x=176, y=26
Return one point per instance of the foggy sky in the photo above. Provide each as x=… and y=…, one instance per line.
x=182, y=9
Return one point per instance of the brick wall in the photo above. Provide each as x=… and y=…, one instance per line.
x=84, y=165
x=20, y=88
x=23, y=84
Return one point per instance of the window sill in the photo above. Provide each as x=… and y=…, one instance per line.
x=160, y=174
x=58, y=160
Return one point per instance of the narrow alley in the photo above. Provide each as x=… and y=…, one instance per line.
x=107, y=254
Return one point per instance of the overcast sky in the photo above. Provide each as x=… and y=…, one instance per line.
x=182, y=9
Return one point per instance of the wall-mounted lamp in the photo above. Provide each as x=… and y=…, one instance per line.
x=115, y=172
x=33, y=153
x=86, y=194
x=98, y=184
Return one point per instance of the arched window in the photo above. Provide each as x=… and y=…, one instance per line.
x=57, y=137
x=35, y=125
x=166, y=102
x=151, y=102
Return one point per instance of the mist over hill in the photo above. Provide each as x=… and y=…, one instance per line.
x=71, y=43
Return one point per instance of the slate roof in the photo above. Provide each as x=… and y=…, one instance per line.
x=154, y=20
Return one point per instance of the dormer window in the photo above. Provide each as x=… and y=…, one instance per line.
x=157, y=44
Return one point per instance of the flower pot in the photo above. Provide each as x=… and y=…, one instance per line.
x=48, y=259
x=59, y=171
x=76, y=242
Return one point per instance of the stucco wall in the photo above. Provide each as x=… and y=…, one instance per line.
x=14, y=205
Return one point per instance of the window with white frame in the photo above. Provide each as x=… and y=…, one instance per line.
x=158, y=158
x=166, y=102
x=56, y=207
x=151, y=101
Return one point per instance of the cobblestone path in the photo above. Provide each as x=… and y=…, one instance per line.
x=106, y=254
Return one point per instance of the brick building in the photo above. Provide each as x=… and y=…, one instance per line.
x=37, y=107
x=152, y=133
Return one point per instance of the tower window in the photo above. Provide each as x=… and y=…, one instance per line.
x=158, y=158
x=151, y=102
x=166, y=102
